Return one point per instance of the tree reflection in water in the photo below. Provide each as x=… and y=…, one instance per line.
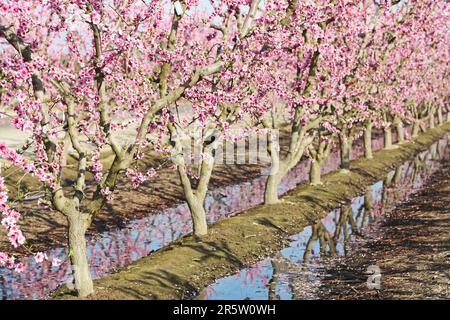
x=294, y=272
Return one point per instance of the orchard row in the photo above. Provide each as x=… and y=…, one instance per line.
x=85, y=78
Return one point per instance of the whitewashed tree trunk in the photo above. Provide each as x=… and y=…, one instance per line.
x=78, y=225
x=315, y=173
x=388, y=138
x=280, y=167
x=431, y=121
x=271, y=191
x=368, y=153
x=276, y=173
x=196, y=197
x=198, y=215
x=440, y=116
x=415, y=129
x=319, y=154
x=345, y=145
x=400, y=132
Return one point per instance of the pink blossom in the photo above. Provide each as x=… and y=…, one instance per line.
x=56, y=262
x=20, y=267
x=40, y=257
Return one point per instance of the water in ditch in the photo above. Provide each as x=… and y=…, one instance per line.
x=295, y=272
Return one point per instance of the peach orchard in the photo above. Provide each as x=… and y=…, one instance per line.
x=78, y=74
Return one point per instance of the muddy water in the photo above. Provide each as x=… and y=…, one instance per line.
x=296, y=271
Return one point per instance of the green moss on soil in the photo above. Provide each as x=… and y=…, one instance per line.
x=189, y=265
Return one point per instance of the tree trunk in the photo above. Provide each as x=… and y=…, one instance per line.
x=276, y=173
x=196, y=197
x=271, y=192
x=388, y=138
x=440, y=116
x=280, y=167
x=345, y=145
x=198, y=214
x=415, y=130
x=432, y=125
x=78, y=255
x=314, y=173
x=195, y=203
x=400, y=132
x=448, y=116
x=368, y=153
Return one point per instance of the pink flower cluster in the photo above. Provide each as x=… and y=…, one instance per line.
x=137, y=177
x=10, y=218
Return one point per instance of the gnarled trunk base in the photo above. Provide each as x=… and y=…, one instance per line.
x=198, y=214
x=315, y=173
x=400, y=133
x=440, y=116
x=388, y=139
x=368, y=153
x=271, y=192
x=431, y=122
x=415, y=130
x=345, y=145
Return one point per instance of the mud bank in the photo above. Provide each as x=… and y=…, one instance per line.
x=183, y=268
x=410, y=246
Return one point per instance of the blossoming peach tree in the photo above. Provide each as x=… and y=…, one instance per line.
x=84, y=79
x=224, y=106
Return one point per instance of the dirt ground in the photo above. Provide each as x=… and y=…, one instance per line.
x=411, y=246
